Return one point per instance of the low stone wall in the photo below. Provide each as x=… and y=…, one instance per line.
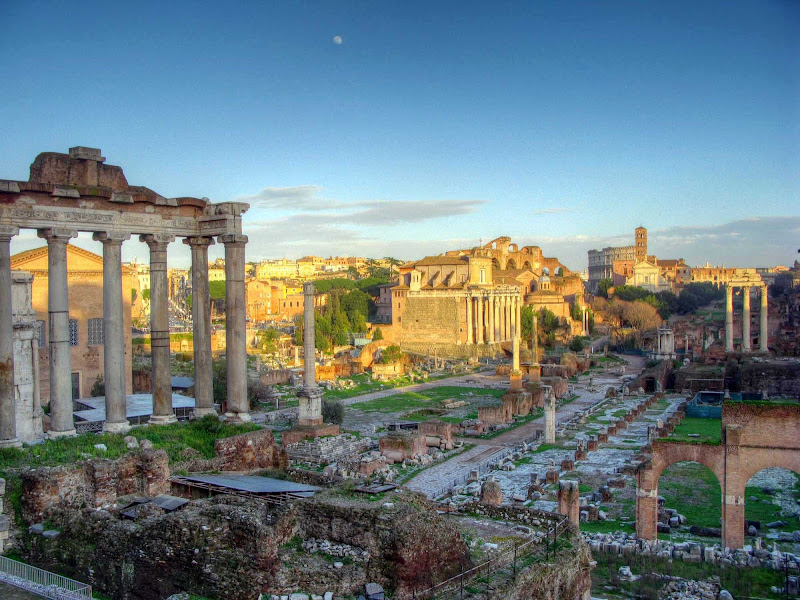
x=497, y=414
x=247, y=451
x=397, y=447
x=440, y=429
x=94, y=483
x=559, y=384
x=298, y=434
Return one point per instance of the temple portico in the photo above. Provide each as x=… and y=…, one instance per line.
x=747, y=280
x=76, y=192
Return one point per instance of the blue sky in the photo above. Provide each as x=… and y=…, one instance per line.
x=433, y=124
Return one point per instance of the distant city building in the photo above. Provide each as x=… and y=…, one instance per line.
x=601, y=262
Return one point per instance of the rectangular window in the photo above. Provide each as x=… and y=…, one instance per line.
x=73, y=332
x=95, y=332
x=41, y=334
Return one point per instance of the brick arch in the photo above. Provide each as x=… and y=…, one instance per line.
x=758, y=459
x=698, y=453
x=511, y=264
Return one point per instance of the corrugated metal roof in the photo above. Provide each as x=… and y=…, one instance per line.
x=254, y=484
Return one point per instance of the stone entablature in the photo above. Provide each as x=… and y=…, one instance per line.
x=68, y=193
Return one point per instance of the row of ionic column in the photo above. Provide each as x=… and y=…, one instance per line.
x=492, y=318
x=746, y=336
x=61, y=408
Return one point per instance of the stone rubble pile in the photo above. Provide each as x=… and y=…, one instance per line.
x=690, y=590
x=691, y=552
x=314, y=546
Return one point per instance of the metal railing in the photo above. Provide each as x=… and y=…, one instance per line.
x=544, y=548
x=41, y=582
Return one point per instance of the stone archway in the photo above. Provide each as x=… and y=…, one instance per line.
x=511, y=264
x=762, y=490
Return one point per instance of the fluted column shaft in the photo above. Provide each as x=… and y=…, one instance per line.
x=490, y=320
x=479, y=320
x=728, y=318
x=763, y=334
x=469, y=320
x=113, y=333
x=159, y=328
x=61, y=418
x=201, y=326
x=518, y=317
x=746, y=318
x=235, y=328
x=8, y=409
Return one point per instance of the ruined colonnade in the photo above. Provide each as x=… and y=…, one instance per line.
x=76, y=192
x=763, y=322
x=493, y=317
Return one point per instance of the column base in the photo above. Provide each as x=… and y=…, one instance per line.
x=236, y=418
x=162, y=419
x=12, y=443
x=117, y=427
x=53, y=434
x=201, y=411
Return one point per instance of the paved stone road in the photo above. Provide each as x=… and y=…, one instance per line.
x=8, y=592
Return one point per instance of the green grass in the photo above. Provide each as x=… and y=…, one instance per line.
x=692, y=490
x=517, y=423
x=365, y=385
x=709, y=430
x=545, y=447
x=431, y=398
x=606, y=526
x=765, y=510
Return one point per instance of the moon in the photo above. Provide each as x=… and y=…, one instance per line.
x=337, y=39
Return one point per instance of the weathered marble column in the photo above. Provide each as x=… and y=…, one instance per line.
x=201, y=326
x=159, y=328
x=113, y=333
x=549, y=417
x=515, y=350
x=490, y=320
x=469, y=320
x=479, y=320
x=746, y=318
x=507, y=320
x=763, y=333
x=496, y=318
x=728, y=318
x=310, y=409
x=61, y=419
x=235, y=328
x=8, y=409
x=503, y=318
x=518, y=315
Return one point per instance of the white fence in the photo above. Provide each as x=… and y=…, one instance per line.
x=41, y=582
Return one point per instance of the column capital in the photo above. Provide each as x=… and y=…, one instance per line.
x=157, y=241
x=7, y=232
x=199, y=240
x=59, y=235
x=308, y=288
x=110, y=237
x=232, y=238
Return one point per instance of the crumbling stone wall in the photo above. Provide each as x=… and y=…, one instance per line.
x=95, y=483
x=776, y=378
x=402, y=445
x=438, y=429
x=247, y=451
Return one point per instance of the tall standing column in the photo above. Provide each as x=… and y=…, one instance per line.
x=490, y=320
x=507, y=318
x=113, y=333
x=310, y=409
x=763, y=330
x=159, y=328
x=469, y=320
x=8, y=409
x=61, y=419
x=728, y=318
x=201, y=325
x=518, y=316
x=235, y=328
x=479, y=320
x=746, y=318
x=496, y=318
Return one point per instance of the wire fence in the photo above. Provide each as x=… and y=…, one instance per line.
x=521, y=555
x=41, y=582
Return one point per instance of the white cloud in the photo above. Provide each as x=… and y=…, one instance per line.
x=552, y=211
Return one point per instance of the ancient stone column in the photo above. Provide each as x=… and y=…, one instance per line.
x=518, y=315
x=569, y=500
x=479, y=320
x=61, y=419
x=495, y=318
x=113, y=333
x=8, y=410
x=490, y=320
x=646, y=503
x=515, y=349
x=310, y=409
x=746, y=318
x=201, y=326
x=549, y=417
x=728, y=318
x=235, y=328
x=763, y=333
x=159, y=328
x=469, y=320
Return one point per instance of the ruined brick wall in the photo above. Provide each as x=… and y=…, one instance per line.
x=496, y=415
x=777, y=378
x=93, y=483
x=248, y=451
x=764, y=425
x=431, y=321
x=407, y=445
x=559, y=384
x=439, y=429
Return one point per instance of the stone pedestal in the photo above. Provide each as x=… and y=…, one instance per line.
x=569, y=500
x=515, y=381
x=551, y=476
x=310, y=406
x=491, y=493
x=550, y=420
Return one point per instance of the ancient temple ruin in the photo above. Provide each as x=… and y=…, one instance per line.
x=68, y=193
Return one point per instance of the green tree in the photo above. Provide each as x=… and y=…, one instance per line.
x=526, y=316
x=219, y=380
x=603, y=285
x=216, y=290
x=332, y=411
x=146, y=294
x=630, y=293
x=391, y=354
x=576, y=344
x=268, y=340
x=355, y=302
x=298, y=330
x=98, y=387
x=377, y=335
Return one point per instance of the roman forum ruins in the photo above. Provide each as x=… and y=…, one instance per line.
x=68, y=193
x=746, y=279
